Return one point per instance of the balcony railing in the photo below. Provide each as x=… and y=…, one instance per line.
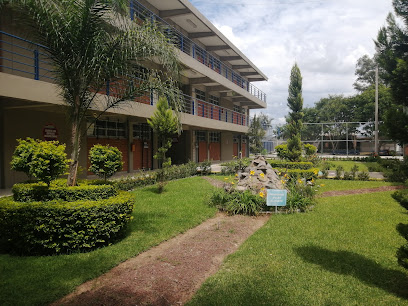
x=140, y=12
x=22, y=57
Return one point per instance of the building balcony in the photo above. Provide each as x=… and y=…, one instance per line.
x=140, y=13
x=26, y=59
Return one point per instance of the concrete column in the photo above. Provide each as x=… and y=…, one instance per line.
x=2, y=144
x=130, y=142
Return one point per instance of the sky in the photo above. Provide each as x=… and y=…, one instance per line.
x=324, y=37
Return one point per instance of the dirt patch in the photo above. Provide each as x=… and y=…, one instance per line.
x=170, y=273
x=214, y=182
x=359, y=191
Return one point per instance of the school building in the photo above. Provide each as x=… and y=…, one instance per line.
x=217, y=84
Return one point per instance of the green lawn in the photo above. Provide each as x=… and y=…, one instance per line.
x=331, y=184
x=157, y=217
x=341, y=253
x=347, y=164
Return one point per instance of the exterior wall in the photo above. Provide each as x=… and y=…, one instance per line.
x=22, y=123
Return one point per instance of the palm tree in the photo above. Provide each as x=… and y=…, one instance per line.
x=93, y=42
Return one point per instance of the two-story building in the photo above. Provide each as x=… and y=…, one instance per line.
x=216, y=82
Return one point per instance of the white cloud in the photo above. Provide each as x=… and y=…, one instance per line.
x=324, y=37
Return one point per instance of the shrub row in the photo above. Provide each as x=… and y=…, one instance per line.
x=28, y=192
x=296, y=174
x=150, y=178
x=402, y=197
x=290, y=165
x=53, y=227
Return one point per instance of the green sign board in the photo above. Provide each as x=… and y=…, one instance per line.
x=276, y=197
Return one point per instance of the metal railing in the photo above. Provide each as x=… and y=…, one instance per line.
x=186, y=45
x=208, y=110
x=25, y=58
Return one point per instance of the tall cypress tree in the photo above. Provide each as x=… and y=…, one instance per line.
x=294, y=119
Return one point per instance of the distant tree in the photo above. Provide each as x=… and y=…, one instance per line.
x=365, y=72
x=256, y=132
x=294, y=119
x=392, y=52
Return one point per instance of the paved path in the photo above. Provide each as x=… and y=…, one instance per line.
x=172, y=272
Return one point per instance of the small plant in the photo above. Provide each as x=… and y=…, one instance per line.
x=105, y=160
x=238, y=164
x=238, y=202
x=363, y=176
x=339, y=172
x=205, y=167
x=300, y=196
x=348, y=175
x=354, y=171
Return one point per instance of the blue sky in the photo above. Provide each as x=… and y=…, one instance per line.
x=325, y=38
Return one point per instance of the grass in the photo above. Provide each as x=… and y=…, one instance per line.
x=347, y=165
x=331, y=184
x=40, y=280
x=341, y=253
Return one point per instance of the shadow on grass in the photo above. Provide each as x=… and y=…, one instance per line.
x=366, y=270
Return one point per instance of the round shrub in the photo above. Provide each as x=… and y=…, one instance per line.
x=53, y=227
x=28, y=192
x=45, y=160
x=105, y=160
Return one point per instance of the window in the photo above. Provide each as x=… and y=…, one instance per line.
x=215, y=136
x=236, y=139
x=200, y=94
x=214, y=100
x=237, y=109
x=142, y=131
x=106, y=129
x=201, y=136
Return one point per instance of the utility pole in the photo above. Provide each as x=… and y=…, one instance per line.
x=376, y=112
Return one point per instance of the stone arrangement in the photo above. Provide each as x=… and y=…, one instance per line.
x=259, y=175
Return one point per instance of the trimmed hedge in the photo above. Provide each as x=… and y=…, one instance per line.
x=290, y=165
x=150, y=178
x=29, y=192
x=402, y=197
x=42, y=228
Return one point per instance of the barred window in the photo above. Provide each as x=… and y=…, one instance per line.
x=214, y=100
x=142, y=131
x=200, y=94
x=201, y=136
x=106, y=129
x=215, y=136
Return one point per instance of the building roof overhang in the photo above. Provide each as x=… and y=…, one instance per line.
x=187, y=17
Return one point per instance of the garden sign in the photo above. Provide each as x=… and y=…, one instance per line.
x=276, y=197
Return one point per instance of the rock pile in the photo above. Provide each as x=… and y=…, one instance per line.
x=258, y=175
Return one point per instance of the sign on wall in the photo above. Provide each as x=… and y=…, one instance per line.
x=50, y=132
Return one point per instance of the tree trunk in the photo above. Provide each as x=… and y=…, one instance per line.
x=76, y=146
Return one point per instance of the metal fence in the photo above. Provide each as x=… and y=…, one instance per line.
x=338, y=138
